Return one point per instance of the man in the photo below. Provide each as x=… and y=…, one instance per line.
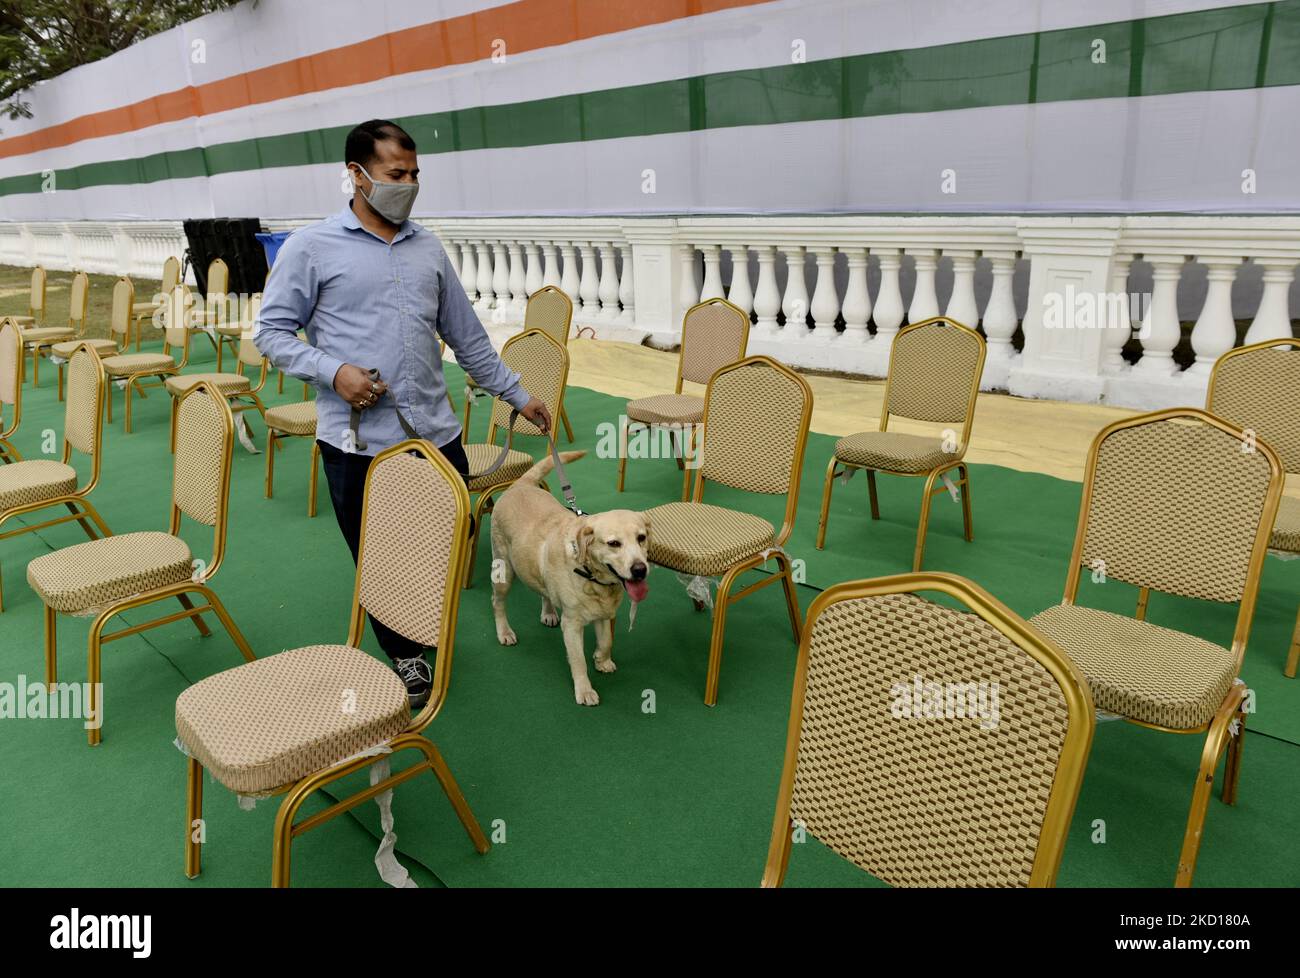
x=375, y=291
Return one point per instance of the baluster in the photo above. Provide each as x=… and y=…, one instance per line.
x=608, y=289
x=551, y=271
x=825, y=307
x=795, y=302
x=925, y=302
x=1273, y=319
x=533, y=279
x=589, y=285
x=712, y=273
x=468, y=271
x=961, y=304
x=741, y=294
x=767, y=299
x=857, y=302
x=1215, y=332
x=500, y=281
x=518, y=286
x=688, y=290
x=569, y=282
x=889, y=303
x=485, y=298
x=1000, y=313
x=1160, y=329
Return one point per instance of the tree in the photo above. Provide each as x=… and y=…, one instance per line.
x=40, y=39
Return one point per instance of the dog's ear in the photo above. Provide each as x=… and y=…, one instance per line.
x=582, y=540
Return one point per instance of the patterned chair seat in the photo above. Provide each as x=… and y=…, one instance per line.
x=697, y=538
x=126, y=364
x=667, y=409
x=892, y=451
x=482, y=455
x=293, y=419
x=99, y=572
x=27, y=482
x=48, y=334
x=268, y=723
x=1140, y=670
x=1286, y=529
x=105, y=348
x=226, y=383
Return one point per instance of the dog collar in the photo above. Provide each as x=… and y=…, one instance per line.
x=583, y=572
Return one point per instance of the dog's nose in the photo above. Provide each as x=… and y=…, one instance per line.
x=638, y=571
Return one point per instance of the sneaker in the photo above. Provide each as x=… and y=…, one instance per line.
x=417, y=676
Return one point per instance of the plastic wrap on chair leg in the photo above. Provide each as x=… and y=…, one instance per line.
x=390, y=870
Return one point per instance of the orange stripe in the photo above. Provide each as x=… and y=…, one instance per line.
x=527, y=25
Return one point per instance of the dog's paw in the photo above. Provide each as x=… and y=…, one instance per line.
x=605, y=665
x=506, y=635
x=550, y=619
x=586, y=697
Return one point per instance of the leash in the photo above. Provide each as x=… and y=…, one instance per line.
x=566, y=487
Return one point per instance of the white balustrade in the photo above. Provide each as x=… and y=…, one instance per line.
x=501, y=261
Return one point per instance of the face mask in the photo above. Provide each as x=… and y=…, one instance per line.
x=391, y=201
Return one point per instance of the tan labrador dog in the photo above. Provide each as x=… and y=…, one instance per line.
x=580, y=565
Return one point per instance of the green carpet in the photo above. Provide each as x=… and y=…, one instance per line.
x=578, y=796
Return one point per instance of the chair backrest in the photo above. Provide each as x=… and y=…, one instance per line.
x=79, y=301
x=177, y=313
x=36, y=302
x=216, y=302
x=171, y=274
x=543, y=368
x=411, y=581
x=756, y=417
x=714, y=334
x=930, y=745
x=11, y=388
x=935, y=368
x=201, y=468
x=1255, y=387
x=550, y=310
x=84, y=411
x=123, y=306
x=1178, y=501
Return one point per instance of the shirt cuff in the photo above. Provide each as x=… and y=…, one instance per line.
x=326, y=367
x=517, y=397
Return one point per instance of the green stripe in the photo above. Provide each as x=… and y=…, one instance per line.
x=1210, y=50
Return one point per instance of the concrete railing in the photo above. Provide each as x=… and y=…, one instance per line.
x=1087, y=308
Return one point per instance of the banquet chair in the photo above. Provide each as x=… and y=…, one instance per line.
x=934, y=376
x=931, y=745
x=714, y=333
x=119, y=323
x=39, y=340
x=276, y=727
x=755, y=430
x=1173, y=502
x=11, y=387
x=111, y=576
x=133, y=368
x=31, y=486
x=1255, y=388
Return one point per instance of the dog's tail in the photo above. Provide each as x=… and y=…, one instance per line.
x=543, y=468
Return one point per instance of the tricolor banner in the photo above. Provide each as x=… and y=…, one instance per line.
x=551, y=107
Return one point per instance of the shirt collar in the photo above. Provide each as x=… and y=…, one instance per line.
x=350, y=220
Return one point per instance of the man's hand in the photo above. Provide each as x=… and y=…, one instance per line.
x=535, y=411
x=355, y=386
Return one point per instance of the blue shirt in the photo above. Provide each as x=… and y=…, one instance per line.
x=374, y=304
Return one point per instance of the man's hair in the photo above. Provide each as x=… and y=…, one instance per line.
x=360, y=146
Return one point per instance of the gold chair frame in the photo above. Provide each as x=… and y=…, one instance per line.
x=1293, y=654
x=410, y=739
x=8, y=451
x=629, y=426
x=838, y=467
x=274, y=436
x=249, y=400
x=76, y=323
x=171, y=277
x=1074, y=750
x=78, y=505
x=545, y=291
x=1233, y=706
x=724, y=598
x=180, y=591
x=485, y=496
x=124, y=333
x=135, y=380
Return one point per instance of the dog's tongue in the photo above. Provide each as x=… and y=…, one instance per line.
x=636, y=590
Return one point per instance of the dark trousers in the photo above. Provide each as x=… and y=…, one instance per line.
x=346, y=474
